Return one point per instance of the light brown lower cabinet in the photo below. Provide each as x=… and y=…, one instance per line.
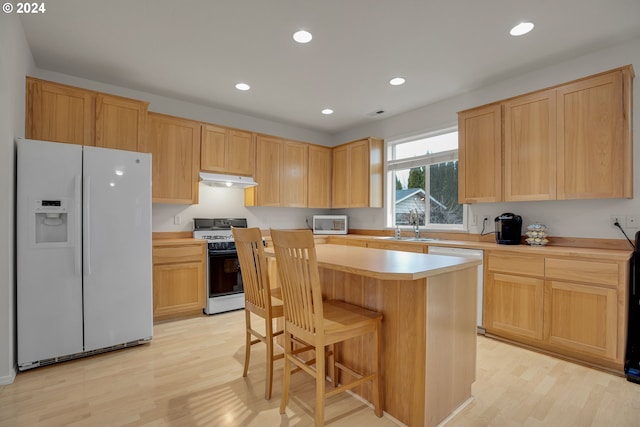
x=179, y=278
x=572, y=307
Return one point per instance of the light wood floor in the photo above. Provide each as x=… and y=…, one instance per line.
x=191, y=375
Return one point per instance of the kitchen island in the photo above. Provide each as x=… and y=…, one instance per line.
x=428, y=331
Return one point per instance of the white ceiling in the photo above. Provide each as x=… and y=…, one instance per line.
x=197, y=50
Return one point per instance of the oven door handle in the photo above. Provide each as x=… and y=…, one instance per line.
x=222, y=252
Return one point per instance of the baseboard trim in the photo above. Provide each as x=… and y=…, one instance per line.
x=8, y=379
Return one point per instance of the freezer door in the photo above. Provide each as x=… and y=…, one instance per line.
x=49, y=275
x=117, y=247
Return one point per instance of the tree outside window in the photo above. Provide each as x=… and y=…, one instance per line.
x=430, y=188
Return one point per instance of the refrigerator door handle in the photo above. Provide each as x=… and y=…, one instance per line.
x=86, y=227
x=78, y=217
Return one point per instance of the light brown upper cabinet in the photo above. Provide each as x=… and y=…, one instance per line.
x=571, y=141
x=175, y=147
x=319, y=188
x=268, y=175
x=225, y=150
x=357, y=174
x=120, y=122
x=281, y=173
x=61, y=113
x=479, y=155
x=295, y=174
x=530, y=147
x=594, y=137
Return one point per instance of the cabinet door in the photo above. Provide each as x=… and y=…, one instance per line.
x=319, y=188
x=59, y=113
x=226, y=150
x=178, y=289
x=591, y=139
x=530, y=147
x=175, y=146
x=582, y=318
x=295, y=165
x=359, y=174
x=241, y=154
x=120, y=122
x=514, y=306
x=213, y=149
x=268, y=166
x=341, y=190
x=480, y=155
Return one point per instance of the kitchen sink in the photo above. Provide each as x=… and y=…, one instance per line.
x=412, y=239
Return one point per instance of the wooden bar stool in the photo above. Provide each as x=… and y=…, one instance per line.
x=260, y=299
x=320, y=323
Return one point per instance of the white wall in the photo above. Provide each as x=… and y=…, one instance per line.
x=217, y=202
x=579, y=218
x=15, y=62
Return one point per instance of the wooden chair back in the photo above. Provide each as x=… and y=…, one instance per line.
x=253, y=265
x=298, y=270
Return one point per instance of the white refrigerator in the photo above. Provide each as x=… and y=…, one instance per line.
x=83, y=240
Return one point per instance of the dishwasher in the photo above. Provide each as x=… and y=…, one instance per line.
x=467, y=253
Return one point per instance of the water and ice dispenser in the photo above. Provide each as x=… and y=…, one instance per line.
x=51, y=222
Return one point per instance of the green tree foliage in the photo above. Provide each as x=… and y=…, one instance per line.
x=398, y=184
x=443, y=178
x=416, y=178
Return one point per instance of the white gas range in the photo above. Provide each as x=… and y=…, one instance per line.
x=225, y=291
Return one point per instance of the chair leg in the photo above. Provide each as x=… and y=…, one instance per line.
x=320, y=378
x=247, y=348
x=286, y=377
x=269, y=379
x=333, y=372
x=377, y=386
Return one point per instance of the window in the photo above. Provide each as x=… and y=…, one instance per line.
x=422, y=182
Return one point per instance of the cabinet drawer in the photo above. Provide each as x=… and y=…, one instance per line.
x=171, y=254
x=605, y=273
x=516, y=263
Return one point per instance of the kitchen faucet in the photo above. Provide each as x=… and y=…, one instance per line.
x=414, y=219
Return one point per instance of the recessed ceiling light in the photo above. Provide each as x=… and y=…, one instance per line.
x=397, y=81
x=243, y=86
x=302, y=36
x=327, y=111
x=521, y=28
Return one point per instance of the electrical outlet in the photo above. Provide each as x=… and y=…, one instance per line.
x=632, y=221
x=620, y=219
x=474, y=220
x=177, y=220
x=485, y=218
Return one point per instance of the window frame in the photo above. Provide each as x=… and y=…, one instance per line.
x=391, y=165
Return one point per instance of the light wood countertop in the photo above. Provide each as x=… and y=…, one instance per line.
x=178, y=241
x=565, y=251
x=386, y=264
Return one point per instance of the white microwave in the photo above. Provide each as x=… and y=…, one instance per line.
x=330, y=224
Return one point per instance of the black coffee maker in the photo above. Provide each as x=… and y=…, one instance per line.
x=508, y=229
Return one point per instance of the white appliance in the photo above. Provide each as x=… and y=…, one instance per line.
x=467, y=253
x=222, y=180
x=225, y=289
x=330, y=224
x=83, y=237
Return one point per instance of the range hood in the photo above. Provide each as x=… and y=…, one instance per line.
x=221, y=180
